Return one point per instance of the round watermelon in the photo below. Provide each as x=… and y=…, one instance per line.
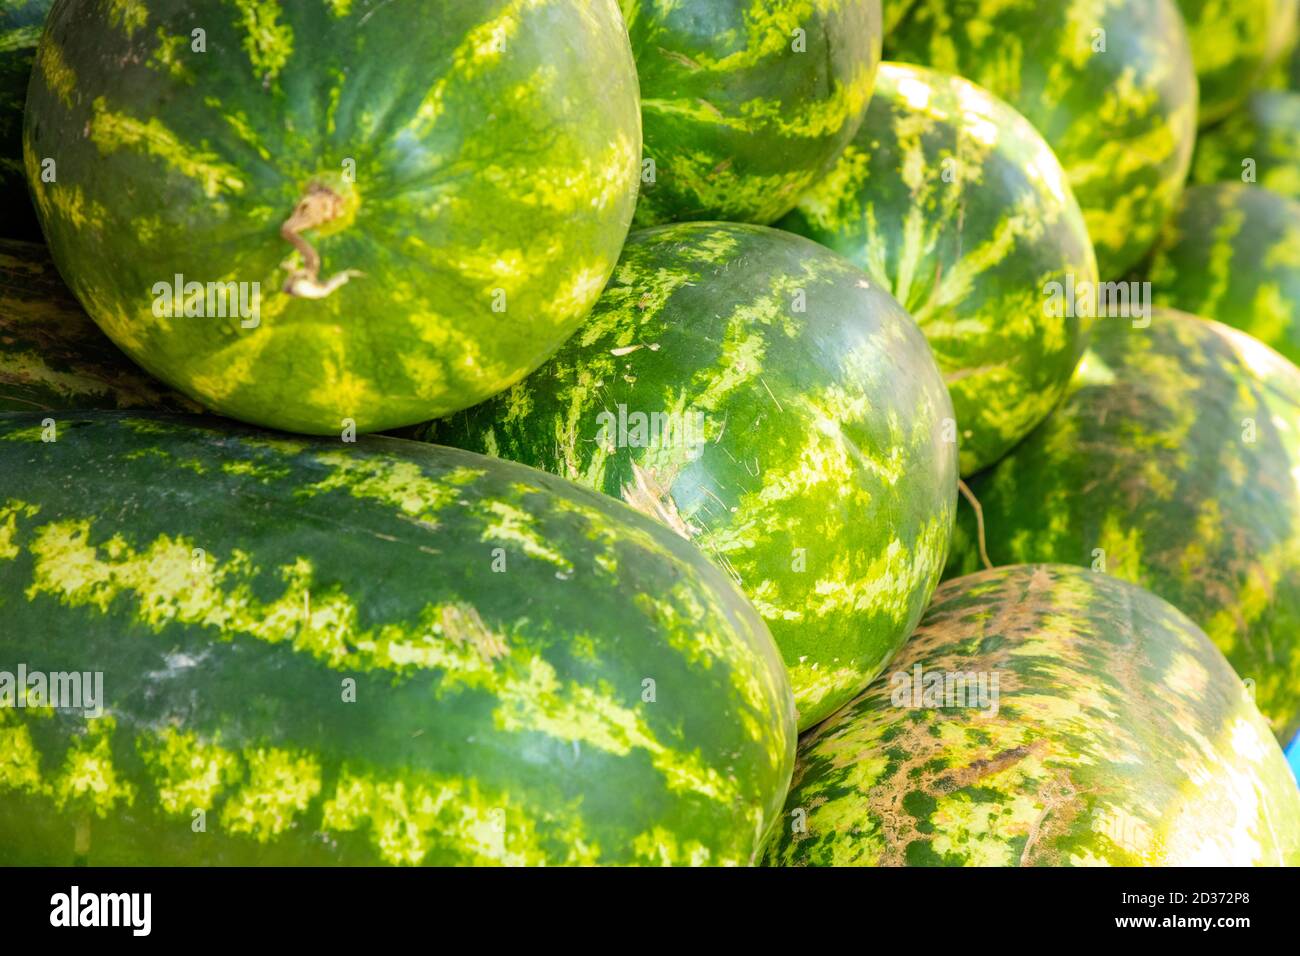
x=1232, y=253
x=1109, y=85
x=1233, y=45
x=312, y=652
x=52, y=356
x=746, y=103
x=1045, y=716
x=1174, y=463
x=1259, y=143
x=954, y=203
x=20, y=31
x=770, y=403
x=315, y=214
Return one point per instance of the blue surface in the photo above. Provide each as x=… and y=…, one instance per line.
x=1293, y=756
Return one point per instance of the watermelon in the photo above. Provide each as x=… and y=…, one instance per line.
x=20, y=30
x=951, y=200
x=766, y=400
x=1046, y=715
x=1174, y=463
x=746, y=102
x=52, y=356
x=1233, y=45
x=1233, y=254
x=315, y=652
x=320, y=214
x=1109, y=85
x=1257, y=144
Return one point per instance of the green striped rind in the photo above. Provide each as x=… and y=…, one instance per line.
x=1174, y=463
x=1259, y=143
x=495, y=144
x=800, y=441
x=1233, y=45
x=1120, y=736
x=20, y=30
x=1232, y=253
x=746, y=102
x=1122, y=122
x=52, y=355
x=953, y=202
x=526, y=655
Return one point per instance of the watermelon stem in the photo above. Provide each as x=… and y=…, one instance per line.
x=979, y=521
x=320, y=206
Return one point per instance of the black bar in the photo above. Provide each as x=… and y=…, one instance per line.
x=569, y=906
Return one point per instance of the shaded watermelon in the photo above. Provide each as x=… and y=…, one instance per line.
x=953, y=202
x=20, y=31
x=1232, y=253
x=1173, y=463
x=762, y=397
x=1109, y=85
x=746, y=102
x=1233, y=46
x=1259, y=143
x=352, y=202
x=315, y=652
x=52, y=355
x=1045, y=716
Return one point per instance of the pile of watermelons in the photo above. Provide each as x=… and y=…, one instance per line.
x=708, y=344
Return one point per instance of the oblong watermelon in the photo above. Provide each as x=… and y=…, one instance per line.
x=765, y=399
x=1109, y=85
x=20, y=31
x=315, y=652
x=1046, y=716
x=1259, y=143
x=52, y=356
x=953, y=202
x=1233, y=46
x=312, y=212
x=745, y=103
x=1173, y=463
x=1232, y=253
